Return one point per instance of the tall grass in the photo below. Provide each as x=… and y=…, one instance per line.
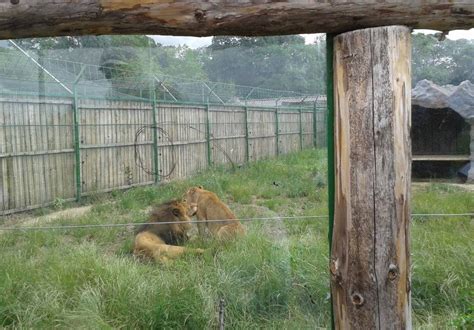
x=275, y=277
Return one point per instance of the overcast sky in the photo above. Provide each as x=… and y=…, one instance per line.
x=194, y=42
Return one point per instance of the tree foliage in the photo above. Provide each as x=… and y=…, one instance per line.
x=443, y=62
x=282, y=62
x=277, y=62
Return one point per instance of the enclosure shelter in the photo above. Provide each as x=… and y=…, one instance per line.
x=441, y=127
x=370, y=262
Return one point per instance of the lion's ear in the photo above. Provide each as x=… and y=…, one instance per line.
x=176, y=212
x=200, y=187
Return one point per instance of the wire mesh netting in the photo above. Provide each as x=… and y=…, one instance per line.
x=23, y=72
x=74, y=128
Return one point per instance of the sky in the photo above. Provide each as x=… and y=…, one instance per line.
x=194, y=42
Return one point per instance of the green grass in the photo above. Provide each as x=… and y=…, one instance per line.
x=275, y=277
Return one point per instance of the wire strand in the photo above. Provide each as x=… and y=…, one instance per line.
x=134, y=224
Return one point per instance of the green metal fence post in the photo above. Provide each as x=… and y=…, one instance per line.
x=277, y=129
x=330, y=142
x=77, y=147
x=301, y=128
x=315, y=126
x=247, y=145
x=208, y=136
x=156, y=163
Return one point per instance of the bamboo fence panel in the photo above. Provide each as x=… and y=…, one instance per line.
x=289, y=131
x=227, y=128
x=37, y=143
x=36, y=151
x=262, y=135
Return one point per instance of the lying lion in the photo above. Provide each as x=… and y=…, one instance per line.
x=159, y=241
x=210, y=207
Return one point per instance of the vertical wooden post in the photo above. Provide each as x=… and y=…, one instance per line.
x=369, y=266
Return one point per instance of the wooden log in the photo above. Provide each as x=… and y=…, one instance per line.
x=370, y=250
x=40, y=18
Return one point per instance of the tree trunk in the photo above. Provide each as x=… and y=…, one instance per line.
x=370, y=250
x=39, y=18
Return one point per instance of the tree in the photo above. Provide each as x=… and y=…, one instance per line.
x=281, y=62
x=443, y=62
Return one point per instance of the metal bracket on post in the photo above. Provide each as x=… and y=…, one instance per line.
x=162, y=85
x=211, y=91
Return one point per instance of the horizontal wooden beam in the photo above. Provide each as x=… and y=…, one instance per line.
x=41, y=18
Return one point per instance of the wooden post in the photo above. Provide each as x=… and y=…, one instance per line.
x=370, y=281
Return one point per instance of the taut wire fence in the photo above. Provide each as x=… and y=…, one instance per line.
x=163, y=223
x=73, y=132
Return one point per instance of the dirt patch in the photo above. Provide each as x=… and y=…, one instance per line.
x=44, y=219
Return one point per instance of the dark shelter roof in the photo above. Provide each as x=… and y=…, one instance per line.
x=459, y=98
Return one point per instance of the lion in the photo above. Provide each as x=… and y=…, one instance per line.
x=210, y=207
x=159, y=241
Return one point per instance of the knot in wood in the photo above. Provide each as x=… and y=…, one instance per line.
x=357, y=299
x=14, y=2
x=392, y=272
x=333, y=267
x=200, y=15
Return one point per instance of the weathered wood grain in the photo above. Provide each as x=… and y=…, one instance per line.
x=39, y=18
x=369, y=258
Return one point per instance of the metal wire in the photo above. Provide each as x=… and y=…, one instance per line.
x=20, y=72
x=443, y=215
x=138, y=157
x=134, y=224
